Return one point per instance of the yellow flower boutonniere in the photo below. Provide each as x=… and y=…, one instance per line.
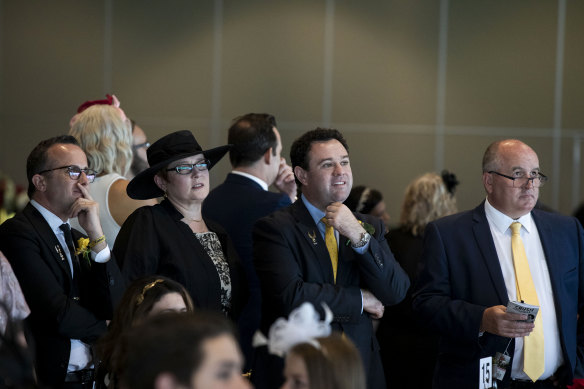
x=83, y=248
x=368, y=227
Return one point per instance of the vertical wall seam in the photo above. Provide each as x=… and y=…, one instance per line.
x=441, y=85
x=558, y=92
x=107, y=48
x=329, y=40
x=215, y=127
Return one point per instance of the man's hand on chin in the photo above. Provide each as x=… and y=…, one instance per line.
x=342, y=219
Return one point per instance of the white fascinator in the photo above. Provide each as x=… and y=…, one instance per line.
x=303, y=326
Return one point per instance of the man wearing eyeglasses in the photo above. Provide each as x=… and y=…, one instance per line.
x=70, y=284
x=504, y=250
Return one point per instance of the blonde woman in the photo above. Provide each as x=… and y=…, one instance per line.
x=427, y=198
x=105, y=134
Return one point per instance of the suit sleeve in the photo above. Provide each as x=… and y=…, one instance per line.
x=137, y=246
x=579, y=368
x=432, y=302
x=44, y=292
x=381, y=274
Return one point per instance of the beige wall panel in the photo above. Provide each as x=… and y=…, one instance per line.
x=163, y=62
x=273, y=59
x=52, y=57
x=573, y=97
x=385, y=62
x=389, y=162
x=501, y=63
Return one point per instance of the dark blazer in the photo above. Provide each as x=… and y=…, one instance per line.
x=462, y=277
x=154, y=240
x=236, y=205
x=293, y=268
x=32, y=250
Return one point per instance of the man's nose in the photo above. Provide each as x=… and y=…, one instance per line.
x=83, y=180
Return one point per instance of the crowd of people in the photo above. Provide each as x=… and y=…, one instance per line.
x=125, y=270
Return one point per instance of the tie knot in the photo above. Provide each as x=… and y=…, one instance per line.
x=515, y=228
x=325, y=222
x=65, y=228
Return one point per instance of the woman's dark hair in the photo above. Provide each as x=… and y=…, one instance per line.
x=171, y=343
x=134, y=307
x=363, y=199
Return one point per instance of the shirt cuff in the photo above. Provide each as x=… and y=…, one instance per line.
x=361, y=301
x=361, y=250
x=103, y=256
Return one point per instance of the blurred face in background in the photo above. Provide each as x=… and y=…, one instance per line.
x=222, y=365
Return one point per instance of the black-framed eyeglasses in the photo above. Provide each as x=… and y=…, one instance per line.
x=187, y=168
x=519, y=182
x=75, y=172
x=140, y=145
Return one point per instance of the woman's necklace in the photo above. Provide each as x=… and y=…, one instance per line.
x=193, y=220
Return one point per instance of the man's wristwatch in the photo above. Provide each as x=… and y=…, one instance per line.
x=365, y=238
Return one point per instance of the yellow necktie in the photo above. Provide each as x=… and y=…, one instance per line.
x=533, y=345
x=331, y=245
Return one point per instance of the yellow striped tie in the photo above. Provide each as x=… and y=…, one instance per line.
x=331, y=245
x=533, y=345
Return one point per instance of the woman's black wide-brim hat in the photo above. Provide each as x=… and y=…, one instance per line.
x=169, y=148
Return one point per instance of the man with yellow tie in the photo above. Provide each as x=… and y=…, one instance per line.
x=475, y=262
x=317, y=250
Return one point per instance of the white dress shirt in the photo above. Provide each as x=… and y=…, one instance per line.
x=499, y=224
x=259, y=181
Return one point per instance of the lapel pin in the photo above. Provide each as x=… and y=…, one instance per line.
x=313, y=237
x=60, y=252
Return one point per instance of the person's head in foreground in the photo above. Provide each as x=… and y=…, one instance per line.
x=331, y=362
x=196, y=351
x=144, y=298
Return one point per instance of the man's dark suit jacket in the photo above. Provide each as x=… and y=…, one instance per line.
x=31, y=247
x=294, y=266
x=236, y=205
x=462, y=277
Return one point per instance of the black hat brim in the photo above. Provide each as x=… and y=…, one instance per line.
x=143, y=187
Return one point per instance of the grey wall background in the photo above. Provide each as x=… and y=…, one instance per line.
x=415, y=86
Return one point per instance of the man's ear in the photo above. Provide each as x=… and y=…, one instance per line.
x=39, y=182
x=301, y=174
x=488, y=182
x=160, y=182
x=268, y=156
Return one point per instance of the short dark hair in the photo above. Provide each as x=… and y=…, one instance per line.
x=363, y=199
x=37, y=159
x=251, y=136
x=301, y=146
x=171, y=343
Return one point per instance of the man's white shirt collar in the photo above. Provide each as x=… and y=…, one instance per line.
x=502, y=221
x=53, y=220
x=260, y=182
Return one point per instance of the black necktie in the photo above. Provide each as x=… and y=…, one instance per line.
x=69, y=240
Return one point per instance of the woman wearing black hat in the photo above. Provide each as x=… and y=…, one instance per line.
x=172, y=238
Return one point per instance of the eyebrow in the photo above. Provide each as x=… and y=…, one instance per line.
x=331, y=158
